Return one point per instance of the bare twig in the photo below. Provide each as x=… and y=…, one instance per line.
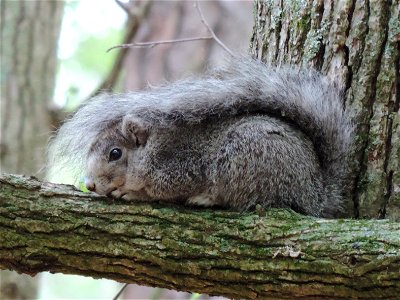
x=134, y=20
x=125, y=8
x=203, y=20
x=120, y=291
x=217, y=27
x=156, y=43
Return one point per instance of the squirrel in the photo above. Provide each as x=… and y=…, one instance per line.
x=243, y=135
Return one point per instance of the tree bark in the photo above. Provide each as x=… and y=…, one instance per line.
x=275, y=254
x=358, y=44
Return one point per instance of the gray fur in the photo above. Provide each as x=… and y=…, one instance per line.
x=239, y=136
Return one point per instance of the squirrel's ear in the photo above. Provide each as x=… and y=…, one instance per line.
x=135, y=129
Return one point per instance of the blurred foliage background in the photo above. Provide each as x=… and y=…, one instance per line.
x=88, y=29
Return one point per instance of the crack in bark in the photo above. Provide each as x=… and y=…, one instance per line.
x=349, y=76
x=278, y=29
x=319, y=56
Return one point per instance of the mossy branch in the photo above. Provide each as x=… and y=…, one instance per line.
x=274, y=254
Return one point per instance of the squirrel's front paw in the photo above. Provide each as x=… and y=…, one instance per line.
x=117, y=194
x=200, y=200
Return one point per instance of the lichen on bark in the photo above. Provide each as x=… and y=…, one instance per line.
x=275, y=253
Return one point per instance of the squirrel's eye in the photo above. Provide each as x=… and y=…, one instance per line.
x=115, y=154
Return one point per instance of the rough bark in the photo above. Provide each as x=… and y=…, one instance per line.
x=274, y=254
x=358, y=44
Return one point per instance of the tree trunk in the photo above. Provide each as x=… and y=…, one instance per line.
x=358, y=44
x=275, y=254
x=29, y=33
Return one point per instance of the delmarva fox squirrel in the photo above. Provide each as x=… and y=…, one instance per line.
x=242, y=135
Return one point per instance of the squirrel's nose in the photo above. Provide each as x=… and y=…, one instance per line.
x=90, y=185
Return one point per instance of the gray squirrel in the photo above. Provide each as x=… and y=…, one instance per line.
x=239, y=136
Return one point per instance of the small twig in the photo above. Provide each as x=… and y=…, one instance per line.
x=124, y=7
x=120, y=291
x=156, y=43
x=209, y=29
x=138, y=15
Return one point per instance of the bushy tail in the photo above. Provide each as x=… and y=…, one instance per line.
x=303, y=98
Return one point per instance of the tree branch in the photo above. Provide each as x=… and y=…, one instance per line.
x=276, y=254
